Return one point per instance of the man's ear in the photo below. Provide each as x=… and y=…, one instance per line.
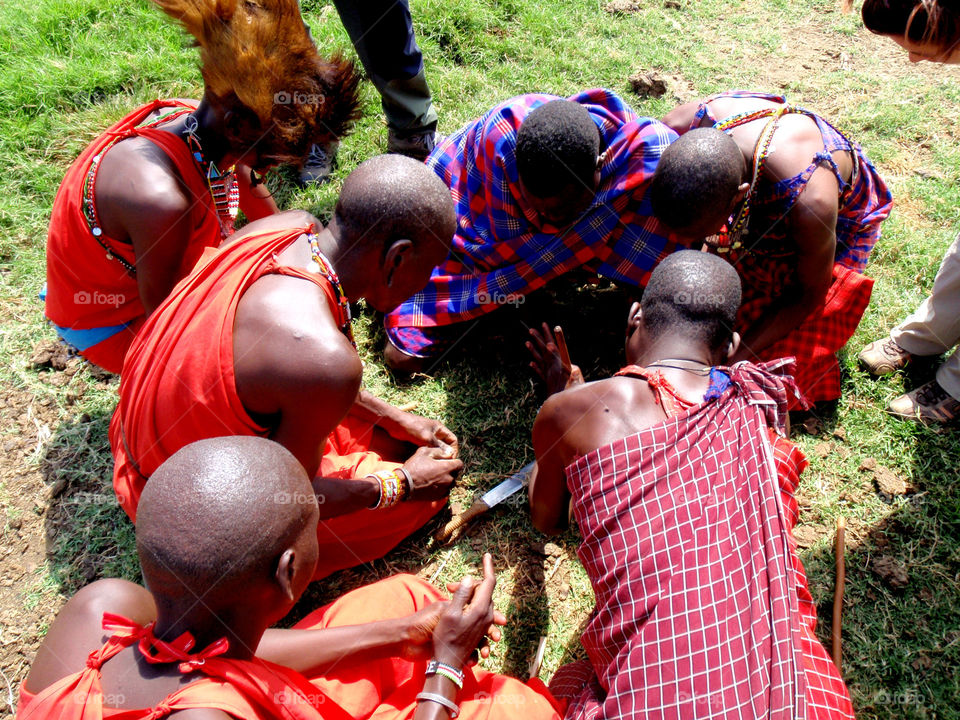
x=741, y=193
x=733, y=346
x=634, y=315
x=399, y=252
x=286, y=569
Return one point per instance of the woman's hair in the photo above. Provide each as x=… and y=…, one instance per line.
x=920, y=21
x=259, y=62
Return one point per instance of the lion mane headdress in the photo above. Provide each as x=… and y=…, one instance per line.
x=258, y=61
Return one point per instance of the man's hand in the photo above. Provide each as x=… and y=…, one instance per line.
x=469, y=620
x=432, y=471
x=551, y=361
x=422, y=431
x=417, y=643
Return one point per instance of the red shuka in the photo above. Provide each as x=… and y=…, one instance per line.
x=178, y=386
x=383, y=689
x=85, y=288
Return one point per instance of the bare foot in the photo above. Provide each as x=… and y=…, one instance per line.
x=399, y=361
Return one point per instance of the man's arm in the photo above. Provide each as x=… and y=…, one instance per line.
x=296, y=373
x=812, y=224
x=404, y=425
x=139, y=198
x=680, y=117
x=549, y=497
x=255, y=200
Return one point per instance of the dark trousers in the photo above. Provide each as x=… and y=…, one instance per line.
x=382, y=34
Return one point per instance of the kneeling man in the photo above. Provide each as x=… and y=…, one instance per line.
x=257, y=341
x=683, y=490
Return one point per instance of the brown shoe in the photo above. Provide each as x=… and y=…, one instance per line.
x=882, y=357
x=927, y=403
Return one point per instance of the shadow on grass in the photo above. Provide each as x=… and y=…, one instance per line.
x=88, y=534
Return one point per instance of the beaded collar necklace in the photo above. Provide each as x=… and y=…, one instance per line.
x=322, y=266
x=731, y=239
x=222, y=184
x=88, y=202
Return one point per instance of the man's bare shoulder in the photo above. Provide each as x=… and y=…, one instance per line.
x=137, y=178
x=590, y=400
x=286, y=340
x=77, y=631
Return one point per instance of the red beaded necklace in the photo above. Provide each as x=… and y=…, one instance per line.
x=222, y=184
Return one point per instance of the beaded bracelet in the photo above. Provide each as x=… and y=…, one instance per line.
x=441, y=700
x=451, y=673
x=409, y=480
x=393, y=487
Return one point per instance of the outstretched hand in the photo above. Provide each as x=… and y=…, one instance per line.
x=551, y=360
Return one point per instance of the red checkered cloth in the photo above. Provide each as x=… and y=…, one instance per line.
x=502, y=250
x=702, y=608
x=828, y=327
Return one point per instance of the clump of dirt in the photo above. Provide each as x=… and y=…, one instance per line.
x=888, y=569
x=889, y=483
x=808, y=535
x=51, y=354
x=648, y=84
x=622, y=7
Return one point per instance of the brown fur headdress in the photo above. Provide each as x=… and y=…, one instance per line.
x=259, y=61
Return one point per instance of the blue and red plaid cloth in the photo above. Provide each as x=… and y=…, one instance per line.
x=502, y=250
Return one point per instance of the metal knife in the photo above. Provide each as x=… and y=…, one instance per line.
x=493, y=497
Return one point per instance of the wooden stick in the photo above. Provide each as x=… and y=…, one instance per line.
x=839, y=546
x=562, y=346
x=407, y=407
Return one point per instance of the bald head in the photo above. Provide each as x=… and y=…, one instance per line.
x=217, y=514
x=692, y=294
x=392, y=197
x=557, y=147
x=696, y=181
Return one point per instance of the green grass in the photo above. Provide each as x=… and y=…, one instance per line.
x=68, y=68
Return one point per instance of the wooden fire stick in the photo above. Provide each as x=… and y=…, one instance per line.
x=838, y=547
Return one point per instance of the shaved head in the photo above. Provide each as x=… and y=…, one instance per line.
x=696, y=180
x=557, y=147
x=215, y=517
x=693, y=294
x=392, y=197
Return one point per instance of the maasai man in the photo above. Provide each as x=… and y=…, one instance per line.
x=806, y=211
x=256, y=341
x=683, y=491
x=140, y=204
x=542, y=186
x=227, y=543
